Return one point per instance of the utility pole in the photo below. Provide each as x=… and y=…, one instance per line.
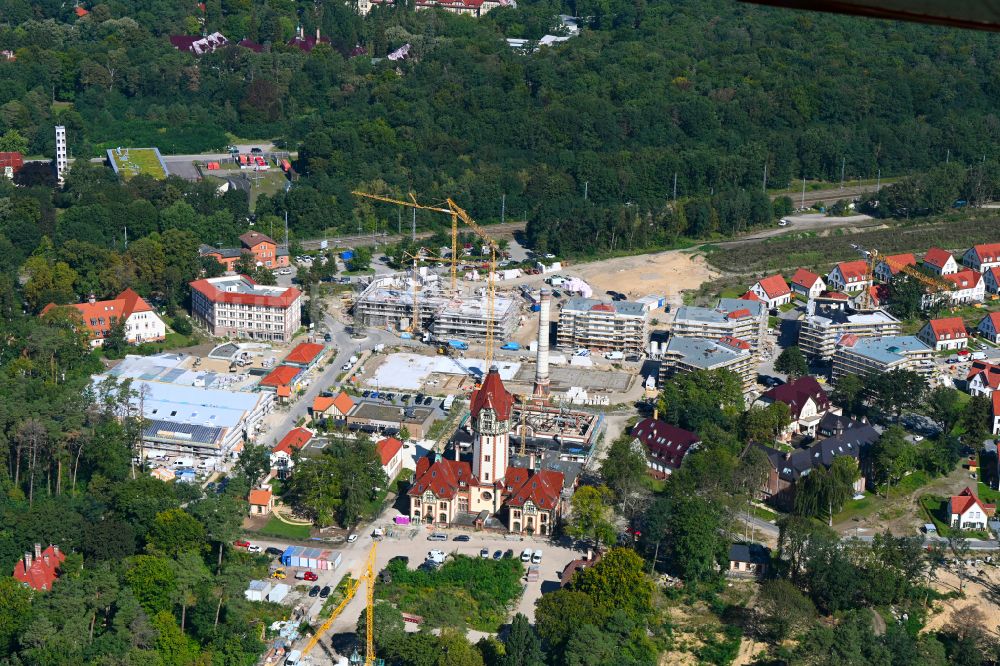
x=843, y=164
x=675, y=187
x=503, y=207
x=803, y=204
x=947, y=157
x=586, y=185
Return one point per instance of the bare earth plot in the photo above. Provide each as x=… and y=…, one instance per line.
x=668, y=273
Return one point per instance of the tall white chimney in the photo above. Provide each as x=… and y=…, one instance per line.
x=542, y=363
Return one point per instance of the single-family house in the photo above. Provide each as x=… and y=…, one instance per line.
x=807, y=284
x=39, y=571
x=969, y=286
x=890, y=265
x=261, y=502
x=877, y=294
x=982, y=257
x=989, y=327
x=281, y=454
x=335, y=407
x=983, y=379
x=968, y=512
x=390, y=452
x=991, y=279
x=940, y=261
x=772, y=290
x=142, y=324
x=807, y=403
x=942, y=334
x=664, y=445
x=849, y=276
x=748, y=560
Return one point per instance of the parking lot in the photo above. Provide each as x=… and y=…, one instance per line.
x=412, y=542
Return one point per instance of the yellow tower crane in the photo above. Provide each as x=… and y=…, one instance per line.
x=367, y=576
x=457, y=213
x=873, y=257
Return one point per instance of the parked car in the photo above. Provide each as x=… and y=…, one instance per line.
x=327, y=337
x=278, y=574
x=351, y=538
x=254, y=548
x=526, y=555
x=437, y=536
x=509, y=553
x=275, y=552
x=428, y=400
x=484, y=553
x=310, y=576
x=285, y=271
x=536, y=557
x=497, y=554
x=462, y=537
x=241, y=543
x=325, y=592
x=314, y=591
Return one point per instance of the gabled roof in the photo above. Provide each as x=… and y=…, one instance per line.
x=987, y=251
x=937, y=257
x=541, y=487
x=995, y=272
x=796, y=393
x=304, y=353
x=666, y=443
x=996, y=404
x=774, y=286
x=750, y=296
x=749, y=552
x=804, y=278
x=994, y=318
x=735, y=343
x=387, y=449
x=283, y=375
x=245, y=292
x=295, y=439
x=853, y=269
x=260, y=497
x=953, y=326
x=966, y=499
x=896, y=261
x=80, y=11
x=492, y=395
x=739, y=314
x=251, y=238
x=964, y=279
x=97, y=316
x=792, y=465
x=40, y=570
x=442, y=476
x=990, y=373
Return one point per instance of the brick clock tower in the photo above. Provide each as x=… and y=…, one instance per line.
x=491, y=409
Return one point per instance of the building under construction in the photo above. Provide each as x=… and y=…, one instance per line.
x=388, y=302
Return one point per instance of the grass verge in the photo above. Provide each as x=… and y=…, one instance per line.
x=276, y=528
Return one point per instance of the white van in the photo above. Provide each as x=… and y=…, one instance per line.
x=436, y=556
x=526, y=555
x=977, y=356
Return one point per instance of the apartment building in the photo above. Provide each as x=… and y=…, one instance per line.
x=602, y=325
x=142, y=324
x=864, y=356
x=689, y=354
x=825, y=324
x=237, y=307
x=732, y=317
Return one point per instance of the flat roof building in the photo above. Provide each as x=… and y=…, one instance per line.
x=689, y=354
x=733, y=317
x=236, y=306
x=864, y=356
x=602, y=325
x=824, y=325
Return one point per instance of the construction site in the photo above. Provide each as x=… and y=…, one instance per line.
x=418, y=301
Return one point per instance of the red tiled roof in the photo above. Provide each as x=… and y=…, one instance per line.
x=750, y=296
x=492, y=395
x=994, y=318
x=774, y=286
x=996, y=403
x=305, y=352
x=995, y=272
x=833, y=295
x=251, y=238
x=443, y=477
x=43, y=569
x=953, y=326
x=542, y=487
x=738, y=314
x=987, y=251
x=295, y=439
x=735, y=343
x=260, y=497
x=341, y=401
x=965, y=278
x=848, y=340
x=966, y=499
x=804, y=278
x=208, y=290
x=797, y=392
x=322, y=403
x=284, y=391
x=602, y=307
x=990, y=373
x=896, y=261
x=937, y=257
x=80, y=11
x=879, y=293
x=853, y=269
x=283, y=375
x=666, y=443
x=388, y=448
x=97, y=315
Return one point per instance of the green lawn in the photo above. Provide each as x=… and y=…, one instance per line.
x=275, y=527
x=861, y=508
x=134, y=161
x=465, y=591
x=763, y=514
x=987, y=494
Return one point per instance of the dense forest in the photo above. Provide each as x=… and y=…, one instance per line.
x=584, y=139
